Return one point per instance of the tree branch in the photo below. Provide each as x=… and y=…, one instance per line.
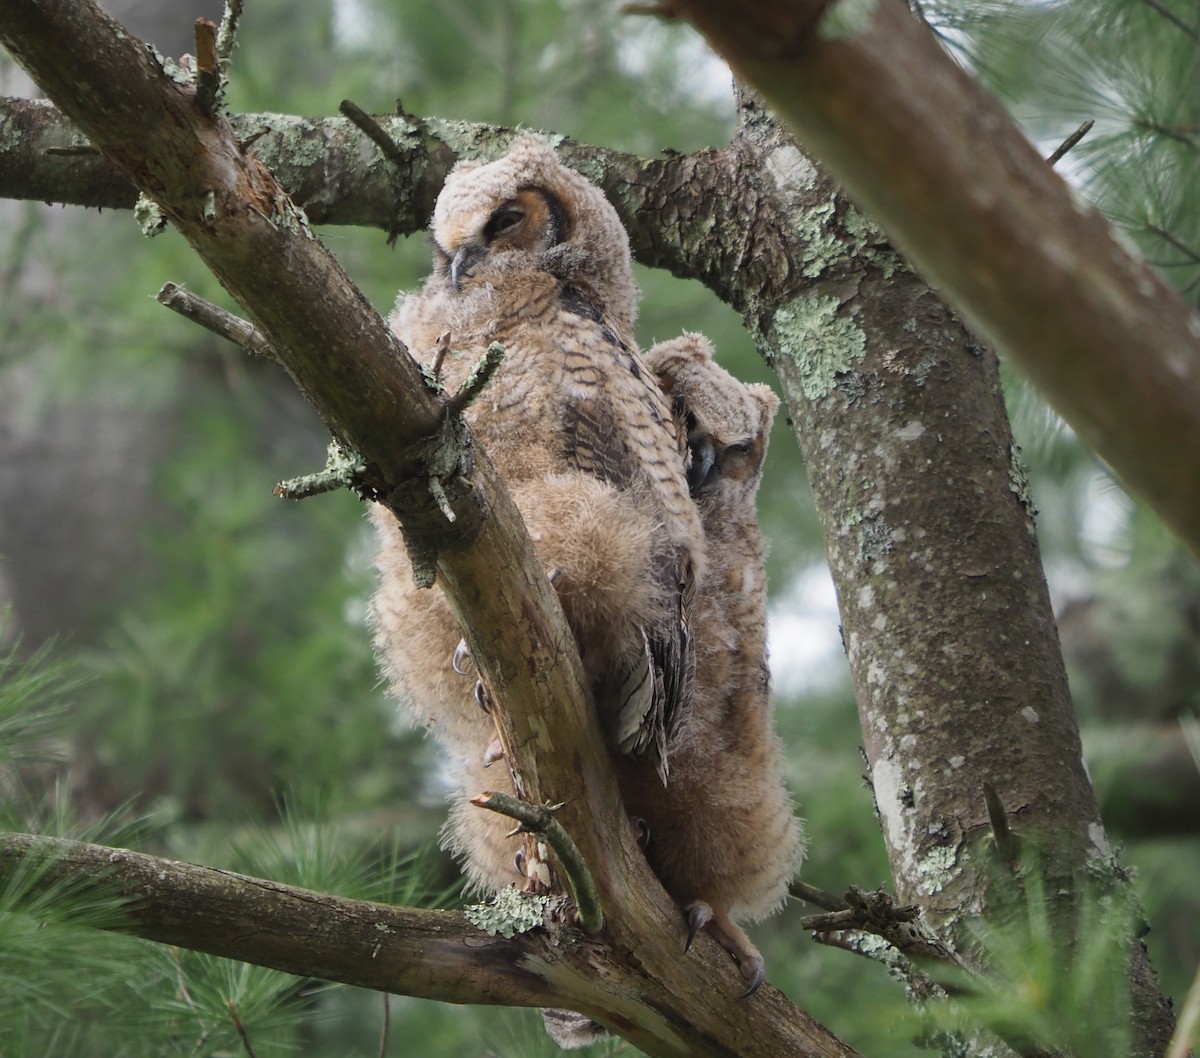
x=965, y=196
x=431, y=954
x=375, y=400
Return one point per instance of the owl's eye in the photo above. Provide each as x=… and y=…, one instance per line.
x=503, y=220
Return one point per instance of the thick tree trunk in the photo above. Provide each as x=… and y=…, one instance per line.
x=930, y=535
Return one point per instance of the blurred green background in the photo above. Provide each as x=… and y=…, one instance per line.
x=188, y=668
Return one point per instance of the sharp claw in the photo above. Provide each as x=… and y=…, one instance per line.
x=641, y=831
x=699, y=915
x=553, y=573
x=461, y=656
x=494, y=752
x=481, y=697
x=753, y=970
x=519, y=862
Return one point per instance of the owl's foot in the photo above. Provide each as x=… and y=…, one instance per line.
x=462, y=658
x=482, y=698
x=732, y=938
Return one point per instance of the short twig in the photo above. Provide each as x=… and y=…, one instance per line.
x=241, y=1029
x=208, y=73
x=227, y=34
x=443, y=501
x=387, y=1021
x=1070, y=142
x=216, y=319
x=343, y=470
x=810, y=894
x=440, y=349
x=375, y=132
x=540, y=819
x=478, y=378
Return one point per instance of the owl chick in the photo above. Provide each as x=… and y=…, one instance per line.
x=527, y=253
x=723, y=837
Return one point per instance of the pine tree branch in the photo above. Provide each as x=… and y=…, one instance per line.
x=430, y=954
x=941, y=166
x=436, y=955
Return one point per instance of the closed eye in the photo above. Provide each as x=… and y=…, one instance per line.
x=504, y=221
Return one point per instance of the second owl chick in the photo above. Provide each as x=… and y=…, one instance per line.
x=724, y=840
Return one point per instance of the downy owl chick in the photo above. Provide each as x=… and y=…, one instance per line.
x=527, y=253
x=722, y=835
x=724, y=839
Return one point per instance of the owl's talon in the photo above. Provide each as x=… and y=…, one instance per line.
x=481, y=697
x=641, y=831
x=493, y=753
x=462, y=656
x=519, y=862
x=699, y=915
x=754, y=969
x=733, y=939
x=553, y=574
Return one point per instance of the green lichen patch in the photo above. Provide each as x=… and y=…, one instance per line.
x=149, y=217
x=1018, y=481
x=511, y=912
x=823, y=342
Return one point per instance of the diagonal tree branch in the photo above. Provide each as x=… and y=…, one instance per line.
x=373, y=397
x=940, y=165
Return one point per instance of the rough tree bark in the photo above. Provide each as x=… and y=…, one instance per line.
x=941, y=166
x=946, y=618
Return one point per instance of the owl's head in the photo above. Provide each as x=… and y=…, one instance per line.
x=728, y=421
x=528, y=210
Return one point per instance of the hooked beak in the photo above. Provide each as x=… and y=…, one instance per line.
x=464, y=262
x=702, y=464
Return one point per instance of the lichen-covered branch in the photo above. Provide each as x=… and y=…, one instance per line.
x=337, y=175
x=944, y=169
x=930, y=537
x=434, y=954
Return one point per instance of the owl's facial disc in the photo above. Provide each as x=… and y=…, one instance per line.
x=533, y=222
